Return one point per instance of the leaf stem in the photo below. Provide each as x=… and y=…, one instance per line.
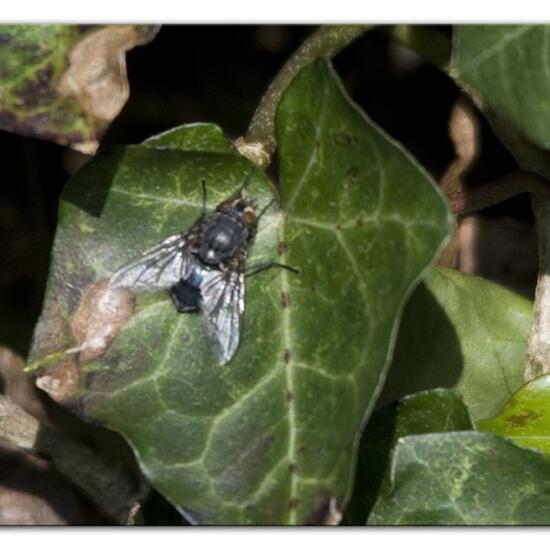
x=325, y=42
x=516, y=183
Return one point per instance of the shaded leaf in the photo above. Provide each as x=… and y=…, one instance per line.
x=17, y=386
x=32, y=492
x=525, y=419
x=461, y=331
x=464, y=478
x=426, y=412
x=269, y=438
x=509, y=67
x=106, y=482
x=65, y=83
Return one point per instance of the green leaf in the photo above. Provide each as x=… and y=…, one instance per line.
x=461, y=331
x=525, y=419
x=464, y=478
x=270, y=438
x=509, y=67
x=426, y=412
x=50, y=84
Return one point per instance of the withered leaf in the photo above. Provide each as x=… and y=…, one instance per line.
x=65, y=83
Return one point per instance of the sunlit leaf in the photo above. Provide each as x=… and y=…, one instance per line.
x=525, y=419
x=269, y=438
x=465, y=332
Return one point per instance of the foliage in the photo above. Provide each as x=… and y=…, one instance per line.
x=524, y=419
x=368, y=381
x=73, y=83
x=251, y=450
x=464, y=332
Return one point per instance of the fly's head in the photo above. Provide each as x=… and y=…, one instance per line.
x=241, y=208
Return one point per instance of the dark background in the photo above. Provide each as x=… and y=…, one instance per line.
x=218, y=74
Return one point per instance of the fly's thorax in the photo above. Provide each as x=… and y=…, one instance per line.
x=222, y=237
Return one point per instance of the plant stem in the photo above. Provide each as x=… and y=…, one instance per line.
x=428, y=42
x=532, y=158
x=516, y=183
x=325, y=42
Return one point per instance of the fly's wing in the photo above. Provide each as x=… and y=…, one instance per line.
x=222, y=306
x=160, y=267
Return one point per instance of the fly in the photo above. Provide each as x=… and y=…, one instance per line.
x=203, y=269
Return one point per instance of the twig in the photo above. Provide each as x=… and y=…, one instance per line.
x=325, y=42
x=516, y=183
x=465, y=135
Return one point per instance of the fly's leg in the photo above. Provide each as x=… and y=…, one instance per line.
x=254, y=270
x=203, y=210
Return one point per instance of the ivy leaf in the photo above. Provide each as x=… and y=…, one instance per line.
x=269, y=439
x=65, y=83
x=464, y=478
x=465, y=332
x=509, y=67
x=526, y=417
x=432, y=411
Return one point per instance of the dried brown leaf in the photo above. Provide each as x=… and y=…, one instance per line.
x=107, y=484
x=65, y=83
x=18, y=386
x=32, y=492
x=96, y=76
x=464, y=133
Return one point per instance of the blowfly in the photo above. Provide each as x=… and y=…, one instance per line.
x=203, y=269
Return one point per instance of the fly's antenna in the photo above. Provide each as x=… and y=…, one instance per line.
x=265, y=209
x=203, y=188
x=246, y=181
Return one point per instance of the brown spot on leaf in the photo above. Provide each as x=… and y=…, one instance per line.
x=343, y=138
x=286, y=356
x=282, y=248
x=289, y=396
x=285, y=299
x=101, y=314
x=360, y=221
x=522, y=418
x=37, y=91
x=61, y=383
x=292, y=468
x=293, y=503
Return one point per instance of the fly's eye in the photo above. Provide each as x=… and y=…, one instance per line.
x=248, y=217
